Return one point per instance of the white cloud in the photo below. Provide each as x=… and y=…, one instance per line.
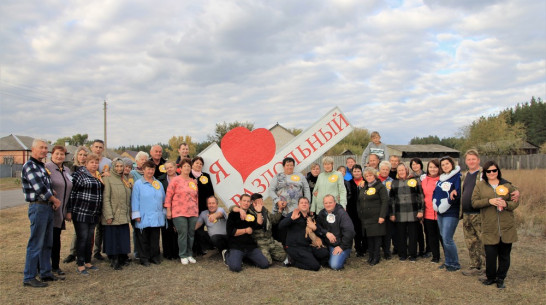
x=406, y=69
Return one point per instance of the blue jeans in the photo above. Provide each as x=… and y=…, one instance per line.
x=336, y=262
x=185, y=226
x=234, y=259
x=40, y=242
x=447, y=227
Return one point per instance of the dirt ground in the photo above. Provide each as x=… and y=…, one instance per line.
x=209, y=281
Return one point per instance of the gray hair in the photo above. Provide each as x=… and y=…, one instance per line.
x=127, y=162
x=327, y=160
x=369, y=170
x=386, y=164
x=37, y=141
x=141, y=154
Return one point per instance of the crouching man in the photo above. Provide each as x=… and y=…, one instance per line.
x=302, y=245
x=240, y=242
x=336, y=230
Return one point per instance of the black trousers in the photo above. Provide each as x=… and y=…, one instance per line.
x=407, y=231
x=374, y=243
x=500, y=252
x=361, y=244
x=56, y=248
x=219, y=241
x=84, y=241
x=148, y=240
x=420, y=238
x=308, y=258
x=390, y=237
x=434, y=239
x=169, y=241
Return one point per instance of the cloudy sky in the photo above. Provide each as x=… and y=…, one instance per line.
x=405, y=68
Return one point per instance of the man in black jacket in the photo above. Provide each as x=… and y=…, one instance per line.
x=240, y=242
x=299, y=226
x=336, y=229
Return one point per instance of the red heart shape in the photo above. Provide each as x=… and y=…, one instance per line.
x=246, y=150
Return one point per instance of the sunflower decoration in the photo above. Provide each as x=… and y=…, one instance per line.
x=361, y=183
x=203, y=179
x=131, y=182
x=155, y=184
x=48, y=172
x=98, y=176
x=162, y=168
x=412, y=183
x=250, y=217
x=501, y=190
x=371, y=191
x=333, y=178
x=388, y=185
x=295, y=178
x=192, y=185
x=105, y=168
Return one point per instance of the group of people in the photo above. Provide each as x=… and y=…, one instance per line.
x=315, y=219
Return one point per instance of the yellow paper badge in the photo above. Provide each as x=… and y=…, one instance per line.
x=48, y=172
x=333, y=178
x=203, y=179
x=192, y=185
x=295, y=178
x=131, y=181
x=388, y=185
x=370, y=191
x=250, y=217
x=501, y=190
x=155, y=184
x=105, y=168
x=361, y=183
x=97, y=175
x=162, y=168
x=412, y=183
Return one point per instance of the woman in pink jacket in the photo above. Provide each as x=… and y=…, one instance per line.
x=431, y=219
x=182, y=207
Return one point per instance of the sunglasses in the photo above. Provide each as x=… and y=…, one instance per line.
x=489, y=171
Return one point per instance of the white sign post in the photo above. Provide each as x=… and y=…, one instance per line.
x=304, y=149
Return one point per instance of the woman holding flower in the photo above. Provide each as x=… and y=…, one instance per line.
x=492, y=196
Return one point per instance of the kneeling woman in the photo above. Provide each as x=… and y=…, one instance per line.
x=492, y=196
x=116, y=215
x=147, y=205
x=373, y=206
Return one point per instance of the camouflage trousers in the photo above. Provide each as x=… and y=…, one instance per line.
x=472, y=229
x=271, y=249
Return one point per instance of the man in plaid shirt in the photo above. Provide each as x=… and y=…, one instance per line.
x=42, y=203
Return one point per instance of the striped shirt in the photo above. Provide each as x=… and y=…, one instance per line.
x=36, y=181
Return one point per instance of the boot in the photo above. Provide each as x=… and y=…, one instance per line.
x=117, y=265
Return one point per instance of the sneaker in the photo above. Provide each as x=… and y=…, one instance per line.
x=98, y=257
x=82, y=272
x=452, y=269
x=58, y=271
x=471, y=272
x=412, y=259
x=192, y=260
x=224, y=256
x=435, y=260
x=402, y=258
x=184, y=261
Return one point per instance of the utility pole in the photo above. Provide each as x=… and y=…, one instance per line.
x=105, y=125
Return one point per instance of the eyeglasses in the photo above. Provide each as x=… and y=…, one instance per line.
x=489, y=171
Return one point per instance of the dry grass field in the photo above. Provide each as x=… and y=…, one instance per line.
x=209, y=281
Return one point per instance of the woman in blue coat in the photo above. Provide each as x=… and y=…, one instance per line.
x=147, y=211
